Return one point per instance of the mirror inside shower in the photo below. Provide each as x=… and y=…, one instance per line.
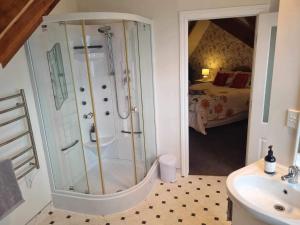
x=102, y=139
x=57, y=74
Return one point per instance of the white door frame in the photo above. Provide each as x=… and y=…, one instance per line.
x=184, y=18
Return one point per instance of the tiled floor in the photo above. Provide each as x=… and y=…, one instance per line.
x=193, y=200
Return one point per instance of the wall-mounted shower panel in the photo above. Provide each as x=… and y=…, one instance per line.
x=118, y=166
x=121, y=94
x=103, y=88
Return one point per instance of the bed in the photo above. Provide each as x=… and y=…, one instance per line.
x=211, y=105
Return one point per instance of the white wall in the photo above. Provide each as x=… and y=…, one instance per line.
x=166, y=31
x=65, y=6
x=286, y=79
x=12, y=78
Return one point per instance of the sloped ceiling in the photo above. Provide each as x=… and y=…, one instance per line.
x=242, y=28
x=192, y=25
x=18, y=20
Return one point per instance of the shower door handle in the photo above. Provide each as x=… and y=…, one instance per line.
x=129, y=132
x=70, y=146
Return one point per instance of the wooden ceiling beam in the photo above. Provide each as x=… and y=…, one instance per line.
x=14, y=37
x=238, y=29
x=9, y=9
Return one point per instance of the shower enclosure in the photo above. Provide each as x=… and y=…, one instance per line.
x=94, y=85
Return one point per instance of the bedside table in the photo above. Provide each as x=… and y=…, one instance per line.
x=203, y=81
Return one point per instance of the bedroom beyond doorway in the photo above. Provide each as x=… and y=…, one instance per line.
x=220, y=55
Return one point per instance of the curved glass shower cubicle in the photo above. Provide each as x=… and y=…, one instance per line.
x=94, y=82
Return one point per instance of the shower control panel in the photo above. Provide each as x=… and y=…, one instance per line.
x=88, y=116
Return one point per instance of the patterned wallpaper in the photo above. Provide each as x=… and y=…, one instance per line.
x=219, y=49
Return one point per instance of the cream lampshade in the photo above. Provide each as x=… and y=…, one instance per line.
x=205, y=73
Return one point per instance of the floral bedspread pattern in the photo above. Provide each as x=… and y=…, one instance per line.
x=210, y=103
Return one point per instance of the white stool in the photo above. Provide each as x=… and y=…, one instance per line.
x=167, y=164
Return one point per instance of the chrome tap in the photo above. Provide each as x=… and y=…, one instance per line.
x=292, y=176
x=88, y=116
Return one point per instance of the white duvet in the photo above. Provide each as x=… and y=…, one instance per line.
x=208, y=103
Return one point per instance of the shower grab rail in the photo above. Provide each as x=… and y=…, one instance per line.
x=70, y=146
x=31, y=161
x=129, y=132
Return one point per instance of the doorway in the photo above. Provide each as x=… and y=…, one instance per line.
x=185, y=18
x=220, y=70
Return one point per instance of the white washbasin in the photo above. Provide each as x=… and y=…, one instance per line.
x=266, y=197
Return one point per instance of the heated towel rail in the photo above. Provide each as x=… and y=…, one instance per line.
x=27, y=164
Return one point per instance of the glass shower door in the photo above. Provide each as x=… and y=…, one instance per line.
x=83, y=59
x=147, y=91
x=57, y=99
x=136, y=98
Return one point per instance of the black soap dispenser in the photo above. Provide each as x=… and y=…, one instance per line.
x=93, y=133
x=270, y=162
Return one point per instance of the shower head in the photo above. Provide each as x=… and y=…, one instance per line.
x=104, y=29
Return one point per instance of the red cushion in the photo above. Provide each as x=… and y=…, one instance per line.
x=240, y=80
x=221, y=79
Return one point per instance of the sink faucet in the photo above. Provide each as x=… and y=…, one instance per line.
x=292, y=176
